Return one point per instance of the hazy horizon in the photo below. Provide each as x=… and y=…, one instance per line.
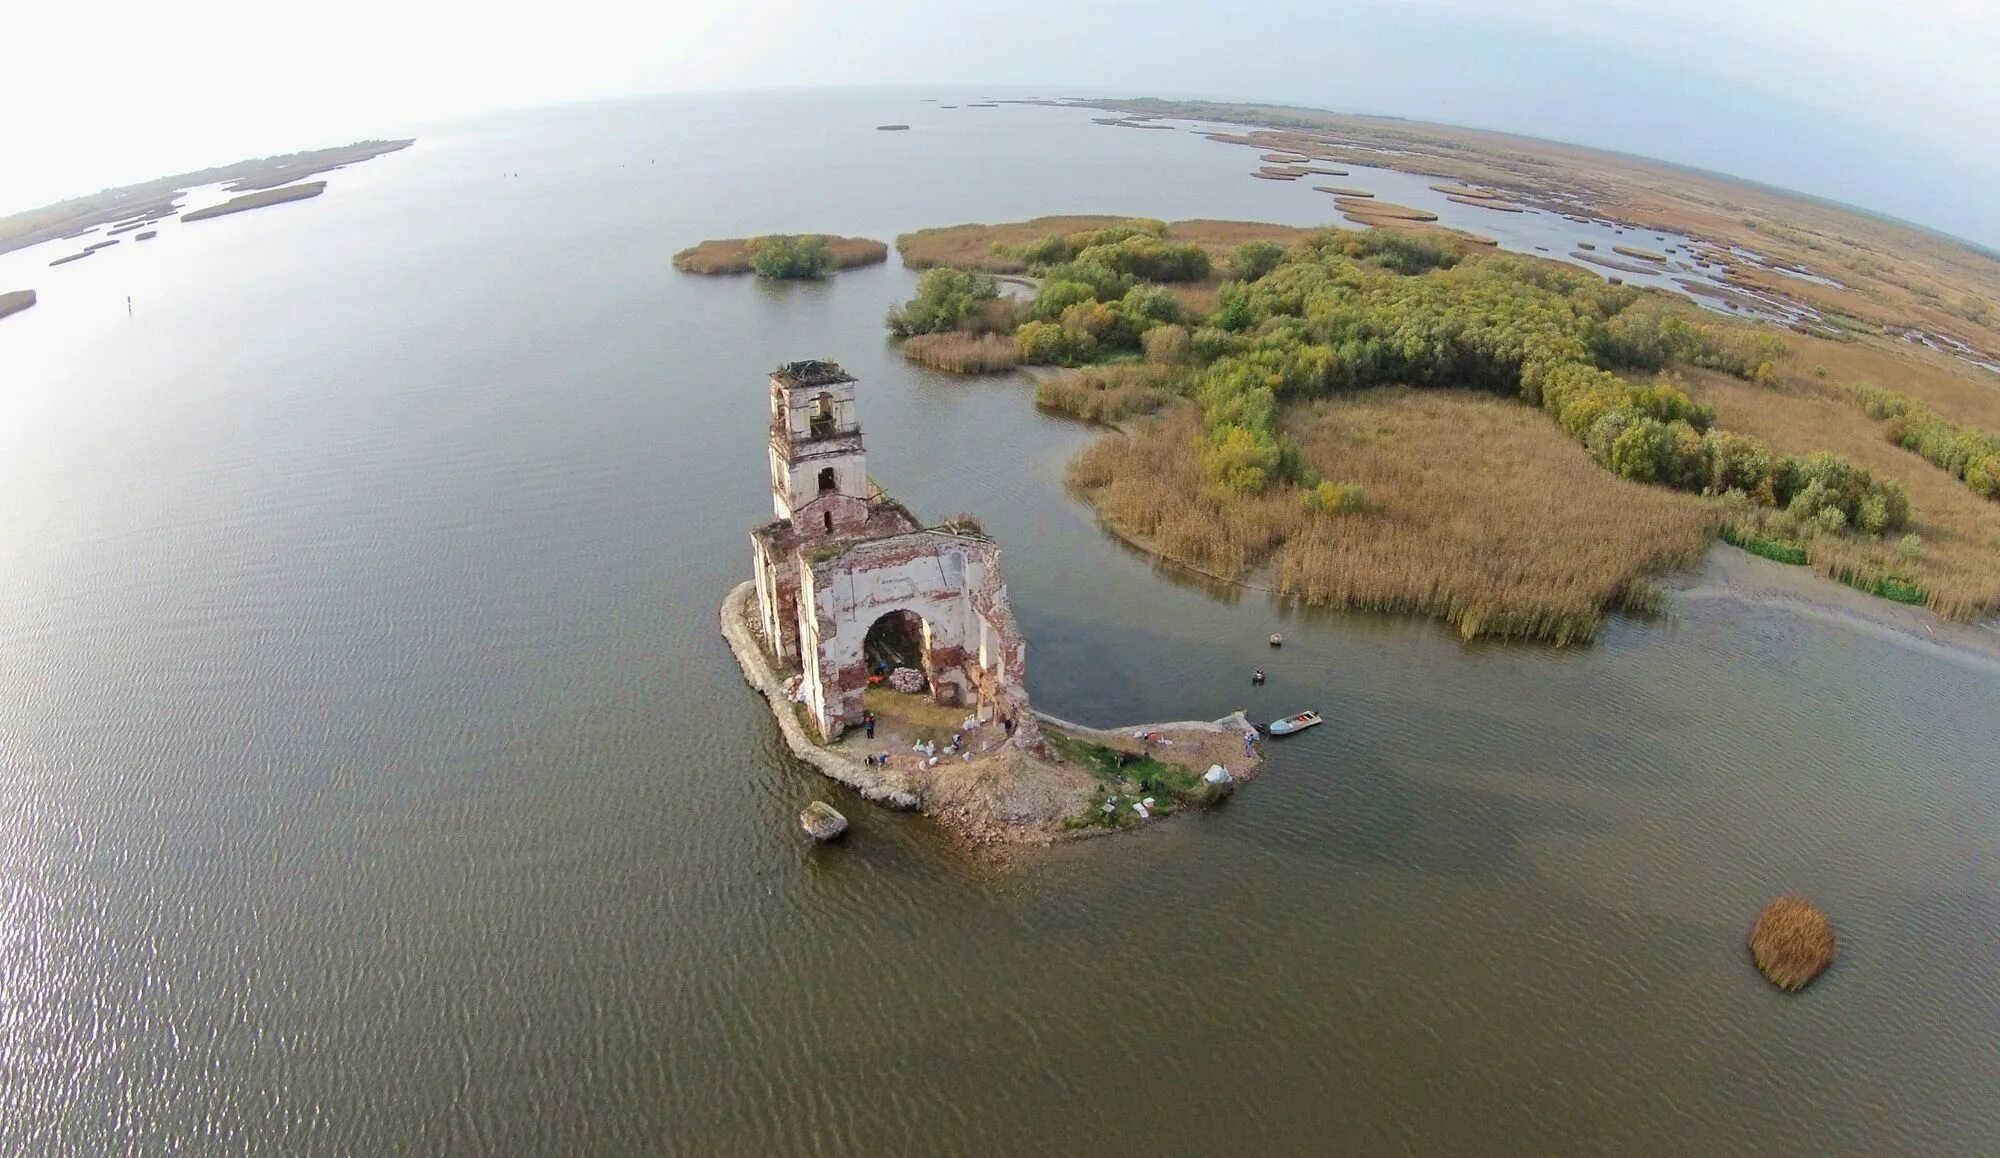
x=1884, y=111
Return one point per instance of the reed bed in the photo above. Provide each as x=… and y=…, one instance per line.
x=962, y=353
x=1148, y=488
x=1958, y=530
x=1103, y=394
x=1487, y=203
x=1792, y=942
x=1641, y=254
x=1343, y=191
x=1480, y=513
x=1282, y=159
x=1387, y=209
x=730, y=255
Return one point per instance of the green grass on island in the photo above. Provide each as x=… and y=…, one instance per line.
x=1127, y=778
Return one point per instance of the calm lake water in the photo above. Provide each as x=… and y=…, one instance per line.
x=376, y=780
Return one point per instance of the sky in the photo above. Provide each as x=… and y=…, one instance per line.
x=1890, y=107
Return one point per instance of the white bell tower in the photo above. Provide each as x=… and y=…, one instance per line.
x=819, y=475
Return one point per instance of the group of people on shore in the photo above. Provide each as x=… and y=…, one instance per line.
x=928, y=753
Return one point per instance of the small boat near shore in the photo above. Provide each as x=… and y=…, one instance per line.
x=1298, y=723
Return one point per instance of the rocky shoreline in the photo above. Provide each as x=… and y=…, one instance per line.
x=1005, y=796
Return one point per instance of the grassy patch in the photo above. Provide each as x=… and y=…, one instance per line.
x=807, y=722
x=1127, y=777
x=1901, y=590
x=1776, y=550
x=923, y=717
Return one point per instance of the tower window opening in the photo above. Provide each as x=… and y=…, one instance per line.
x=827, y=482
x=821, y=423
x=828, y=516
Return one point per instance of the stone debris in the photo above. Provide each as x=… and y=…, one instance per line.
x=822, y=821
x=908, y=680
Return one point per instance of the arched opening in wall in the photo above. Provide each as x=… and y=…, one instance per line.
x=897, y=652
x=828, y=516
x=827, y=480
x=821, y=420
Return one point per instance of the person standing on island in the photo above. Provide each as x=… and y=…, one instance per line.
x=868, y=722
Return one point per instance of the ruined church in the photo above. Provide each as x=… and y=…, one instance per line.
x=851, y=586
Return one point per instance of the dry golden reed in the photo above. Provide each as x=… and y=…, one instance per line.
x=1480, y=512
x=1792, y=943
x=962, y=353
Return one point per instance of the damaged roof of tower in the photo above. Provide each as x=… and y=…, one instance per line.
x=811, y=372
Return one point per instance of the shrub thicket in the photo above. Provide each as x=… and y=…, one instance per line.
x=946, y=299
x=1967, y=454
x=784, y=255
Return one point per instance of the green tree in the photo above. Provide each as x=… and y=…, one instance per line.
x=783, y=255
x=1254, y=259
x=944, y=300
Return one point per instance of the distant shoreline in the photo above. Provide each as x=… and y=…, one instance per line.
x=149, y=201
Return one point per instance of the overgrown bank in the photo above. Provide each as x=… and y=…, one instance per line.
x=1268, y=423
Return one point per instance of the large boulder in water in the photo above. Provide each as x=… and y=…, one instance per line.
x=822, y=821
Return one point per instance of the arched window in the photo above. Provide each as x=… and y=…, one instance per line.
x=821, y=423
x=828, y=516
x=827, y=480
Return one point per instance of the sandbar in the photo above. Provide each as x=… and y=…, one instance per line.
x=258, y=200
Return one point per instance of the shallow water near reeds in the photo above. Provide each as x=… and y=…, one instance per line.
x=377, y=782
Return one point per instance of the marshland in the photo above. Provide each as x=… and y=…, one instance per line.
x=1256, y=440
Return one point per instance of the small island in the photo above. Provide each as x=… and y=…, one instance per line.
x=258, y=200
x=14, y=301
x=889, y=653
x=1792, y=943
x=781, y=255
